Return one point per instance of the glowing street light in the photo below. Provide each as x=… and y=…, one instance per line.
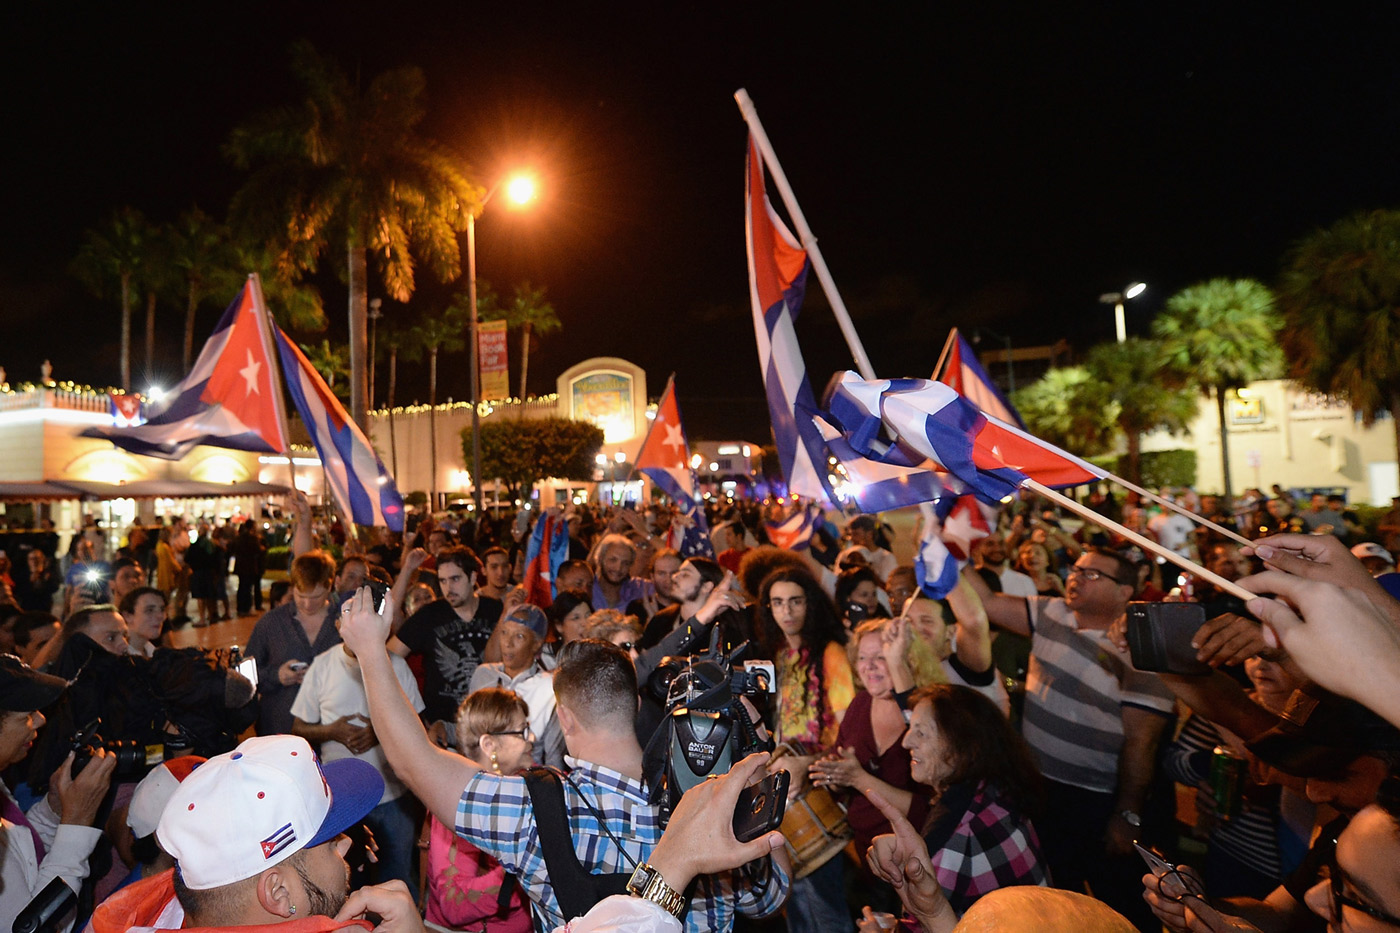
x=520, y=190
x=1116, y=299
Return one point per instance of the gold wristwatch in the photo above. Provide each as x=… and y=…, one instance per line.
x=646, y=882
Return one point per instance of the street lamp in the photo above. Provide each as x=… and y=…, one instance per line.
x=1116, y=299
x=520, y=190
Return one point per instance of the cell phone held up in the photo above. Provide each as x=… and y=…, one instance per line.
x=761, y=806
x=1159, y=637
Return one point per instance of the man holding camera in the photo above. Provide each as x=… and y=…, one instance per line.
x=56, y=837
x=1094, y=722
x=614, y=827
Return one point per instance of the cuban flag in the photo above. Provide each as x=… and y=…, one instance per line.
x=227, y=400
x=777, y=280
x=964, y=522
x=357, y=477
x=958, y=368
x=919, y=422
x=547, y=550
x=877, y=486
x=663, y=458
x=794, y=533
x=935, y=568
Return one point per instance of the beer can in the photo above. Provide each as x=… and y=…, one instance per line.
x=1228, y=772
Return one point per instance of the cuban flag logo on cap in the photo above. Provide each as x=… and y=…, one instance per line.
x=278, y=841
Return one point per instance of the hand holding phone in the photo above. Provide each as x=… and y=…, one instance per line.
x=761, y=806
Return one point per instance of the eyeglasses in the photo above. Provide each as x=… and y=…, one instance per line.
x=526, y=733
x=796, y=602
x=1337, y=882
x=1092, y=575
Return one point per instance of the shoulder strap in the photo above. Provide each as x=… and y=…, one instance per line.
x=575, y=887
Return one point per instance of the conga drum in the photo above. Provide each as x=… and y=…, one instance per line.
x=814, y=826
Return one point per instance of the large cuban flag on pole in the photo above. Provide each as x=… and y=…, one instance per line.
x=362, y=487
x=778, y=269
x=227, y=400
x=663, y=458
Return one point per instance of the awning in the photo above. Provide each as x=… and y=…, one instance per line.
x=141, y=489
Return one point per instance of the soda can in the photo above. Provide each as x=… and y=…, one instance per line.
x=1228, y=772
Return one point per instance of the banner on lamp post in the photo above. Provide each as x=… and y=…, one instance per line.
x=491, y=351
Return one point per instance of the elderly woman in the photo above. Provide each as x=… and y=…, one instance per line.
x=464, y=883
x=521, y=635
x=978, y=834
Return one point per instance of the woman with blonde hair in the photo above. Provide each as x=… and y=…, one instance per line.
x=465, y=885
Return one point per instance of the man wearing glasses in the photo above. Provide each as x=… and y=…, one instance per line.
x=1094, y=722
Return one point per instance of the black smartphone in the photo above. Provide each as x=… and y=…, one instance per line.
x=1159, y=637
x=761, y=806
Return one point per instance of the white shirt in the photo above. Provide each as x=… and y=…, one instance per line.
x=1016, y=583
x=22, y=877
x=335, y=687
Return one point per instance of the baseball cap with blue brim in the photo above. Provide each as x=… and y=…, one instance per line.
x=249, y=809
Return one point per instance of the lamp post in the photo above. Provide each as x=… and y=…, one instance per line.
x=374, y=315
x=1010, y=370
x=1117, y=299
x=521, y=190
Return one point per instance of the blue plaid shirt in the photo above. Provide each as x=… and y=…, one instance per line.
x=495, y=815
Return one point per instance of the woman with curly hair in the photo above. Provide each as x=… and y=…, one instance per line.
x=799, y=630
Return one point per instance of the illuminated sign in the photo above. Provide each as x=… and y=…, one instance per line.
x=605, y=398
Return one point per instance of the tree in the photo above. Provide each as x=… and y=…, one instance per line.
x=204, y=262
x=1338, y=297
x=332, y=362
x=521, y=453
x=293, y=303
x=346, y=168
x=436, y=334
x=1225, y=334
x=1068, y=408
x=109, y=260
x=1134, y=378
x=528, y=311
x=392, y=341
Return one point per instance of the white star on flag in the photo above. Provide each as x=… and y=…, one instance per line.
x=250, y=374
x=674, y=439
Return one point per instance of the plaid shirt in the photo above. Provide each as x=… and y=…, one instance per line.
x=990, y=848
x=494, y=814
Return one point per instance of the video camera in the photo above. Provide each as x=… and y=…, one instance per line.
x=707, y=728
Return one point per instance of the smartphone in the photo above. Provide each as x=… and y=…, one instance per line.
x=1159, y=637
x=1160, y=867
x=761, y=806
x=248, y=667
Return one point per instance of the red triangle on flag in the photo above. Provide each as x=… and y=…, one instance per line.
x=242, y=378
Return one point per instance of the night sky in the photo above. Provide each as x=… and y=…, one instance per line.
x=997, y=167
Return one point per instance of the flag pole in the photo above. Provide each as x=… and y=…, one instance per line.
x=651, y=427
x=1185, y=563
x=809, y=242
x=943, y=357
x=274, y=362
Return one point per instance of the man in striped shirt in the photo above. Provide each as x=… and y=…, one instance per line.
x=1094, y=722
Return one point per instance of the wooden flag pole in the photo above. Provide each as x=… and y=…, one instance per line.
x=809, y=242
x=1187, y=513
x=1148, y=544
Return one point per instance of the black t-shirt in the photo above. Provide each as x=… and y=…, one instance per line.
x=451, y=649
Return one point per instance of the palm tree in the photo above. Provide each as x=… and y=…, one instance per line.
x=115, y=254
x=1338, y=297
x=1133, y=377
x=436, y=334
x=394, y=340
x=1067, y=408
x=527, y=311
x=1225, y=334
x=293, y=303
x=205, y=264
x=332, y=362
x=346, y=168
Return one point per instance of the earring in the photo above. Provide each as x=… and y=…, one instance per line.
x=294, y=908
x=495, y=765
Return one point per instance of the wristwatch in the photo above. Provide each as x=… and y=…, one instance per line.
x=1131, y=818
x=646, y=882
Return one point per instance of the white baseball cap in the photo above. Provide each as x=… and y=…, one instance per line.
x=153, y=793
x=1372, y=549
x=249, y=809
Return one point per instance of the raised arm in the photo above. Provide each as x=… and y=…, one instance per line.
x=974, y=639
x=1008, y=612
x=437, y=776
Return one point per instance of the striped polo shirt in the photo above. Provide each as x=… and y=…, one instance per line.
x=1076, y=688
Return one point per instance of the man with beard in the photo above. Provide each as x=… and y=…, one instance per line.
x=989, y=557
x=615, y=586
x=258, y=837
x=691, y=585
x=450, y=633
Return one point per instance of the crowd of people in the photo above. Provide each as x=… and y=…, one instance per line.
x=432, y=747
